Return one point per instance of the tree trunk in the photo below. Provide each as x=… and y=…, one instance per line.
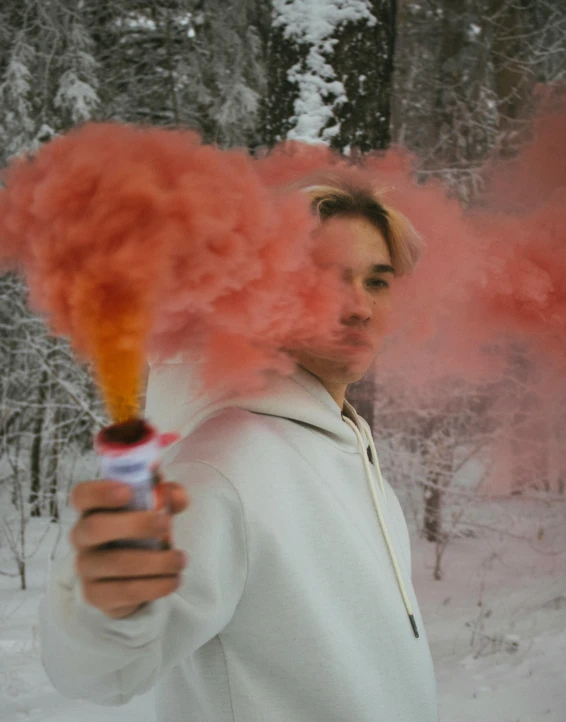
x=363, y=61
x=353, y=108
x=35, y=452
x=22, y=573
x=51, y=476
x=21, y=554
x=432, y=510
x=514, y=79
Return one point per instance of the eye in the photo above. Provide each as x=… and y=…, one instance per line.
x=378, y=283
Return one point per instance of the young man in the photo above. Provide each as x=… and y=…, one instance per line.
x=296, y=604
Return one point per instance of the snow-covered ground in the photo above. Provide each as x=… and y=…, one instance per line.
x=509, y=591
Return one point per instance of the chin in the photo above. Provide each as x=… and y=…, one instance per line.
x=358, y=376
x=345, y=371
x=350, y=376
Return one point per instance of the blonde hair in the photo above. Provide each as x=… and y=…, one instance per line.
x=334, y=194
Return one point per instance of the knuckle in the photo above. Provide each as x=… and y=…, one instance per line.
x=80, y=566
x=181, y=559
x=156, y=523
x=91, y=565
x=113, y=564
x=83, y=495
x=132, y=524
x=170, y=564
x=176, y=583
x=178, y=493
x=73, y=537
x=87, y=528
x=115, y=494
x=75, y=496
x=126, y=563
x=109, y=594
x=146, y=590
x=166, y=585
x=80, y=533
x=132, y=592
x=91, y=594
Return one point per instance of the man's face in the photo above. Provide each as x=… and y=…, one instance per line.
x=358, y=251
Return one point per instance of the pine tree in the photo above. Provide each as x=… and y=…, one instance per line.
x=17, y=113
x=188, y=63
x=77, y=97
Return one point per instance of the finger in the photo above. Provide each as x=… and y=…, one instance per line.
x=122, y=563
x=113, y=595
x=177, y=497
x=105, y=494
x=100, y=528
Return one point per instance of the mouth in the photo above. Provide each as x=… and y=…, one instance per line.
x=356, y=340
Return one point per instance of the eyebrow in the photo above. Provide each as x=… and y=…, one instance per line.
x=382, y=268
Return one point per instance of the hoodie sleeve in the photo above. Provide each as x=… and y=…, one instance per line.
x=89, y=655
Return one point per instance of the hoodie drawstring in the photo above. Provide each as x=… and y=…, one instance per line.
x=370, y=480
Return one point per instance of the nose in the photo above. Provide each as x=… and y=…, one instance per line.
x=357, y=307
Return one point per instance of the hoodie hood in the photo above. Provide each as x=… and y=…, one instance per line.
x=175, y=403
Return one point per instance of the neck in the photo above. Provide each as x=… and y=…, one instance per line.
x=337, y=391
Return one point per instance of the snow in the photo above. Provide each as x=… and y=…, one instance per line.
x=474, y=31
x=506, y=592
x=313, y=23
x=136, y=21
x=500, y=589
x=79, y=97
x=18, y=77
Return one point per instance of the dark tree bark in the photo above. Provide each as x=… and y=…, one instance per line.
x=366, y=52
x=52, y=472
x=362, y=60
x=35, y=452
x=278, y=105
x=432, y=522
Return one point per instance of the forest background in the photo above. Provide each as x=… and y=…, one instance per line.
x=454, y=82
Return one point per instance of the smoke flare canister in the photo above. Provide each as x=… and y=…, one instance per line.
x=129, y=453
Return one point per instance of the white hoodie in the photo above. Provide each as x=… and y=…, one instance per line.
x=295, y=604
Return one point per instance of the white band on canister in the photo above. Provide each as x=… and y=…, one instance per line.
x=134, y=466
x=133, y=463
